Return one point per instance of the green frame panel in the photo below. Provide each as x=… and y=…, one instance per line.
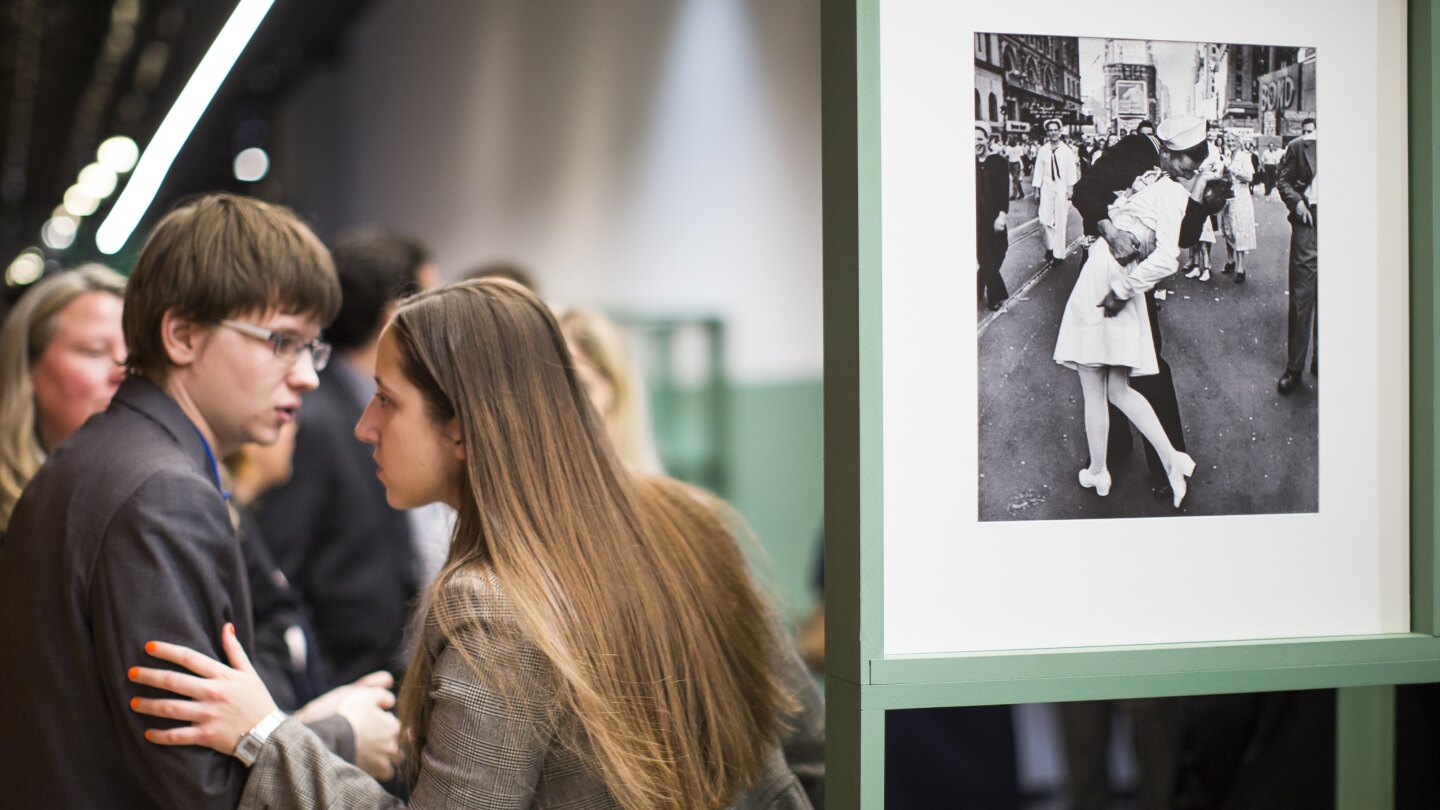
x=862, y=683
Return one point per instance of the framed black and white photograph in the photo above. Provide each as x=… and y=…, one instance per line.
x=1186, y=373
x=1146, y=136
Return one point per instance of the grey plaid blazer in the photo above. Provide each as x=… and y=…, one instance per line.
x=482, y=751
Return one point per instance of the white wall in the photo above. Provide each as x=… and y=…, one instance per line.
x=659, y=156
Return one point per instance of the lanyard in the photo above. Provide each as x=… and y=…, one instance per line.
x=214, y=467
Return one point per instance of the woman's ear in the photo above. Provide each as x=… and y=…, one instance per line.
x=452, y=433
x=181, y=338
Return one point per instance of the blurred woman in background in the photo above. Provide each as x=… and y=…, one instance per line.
x=614, y=384
x=61, y=358
x=1238, y=220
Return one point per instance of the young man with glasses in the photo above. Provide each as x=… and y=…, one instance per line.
x=124, y=535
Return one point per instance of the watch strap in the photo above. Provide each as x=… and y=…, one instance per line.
x=247, y=750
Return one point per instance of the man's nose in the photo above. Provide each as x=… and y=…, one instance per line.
x=303, y=375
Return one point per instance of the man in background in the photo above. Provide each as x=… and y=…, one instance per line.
x=352, y=558
x=1270, y=166
x=1300, y=189
x=992, y=206
x=1015, y=157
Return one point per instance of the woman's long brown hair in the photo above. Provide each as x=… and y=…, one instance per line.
x=633, y=588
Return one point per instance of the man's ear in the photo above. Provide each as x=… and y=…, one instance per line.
x=452, y=433
x=181, y=338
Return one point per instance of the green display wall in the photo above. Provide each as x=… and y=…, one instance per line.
x=862, y=683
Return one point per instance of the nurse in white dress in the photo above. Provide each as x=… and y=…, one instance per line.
x=1105, y=330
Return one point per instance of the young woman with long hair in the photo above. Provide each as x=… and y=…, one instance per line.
x=594, y=638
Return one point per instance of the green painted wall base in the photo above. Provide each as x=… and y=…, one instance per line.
x=774, y=478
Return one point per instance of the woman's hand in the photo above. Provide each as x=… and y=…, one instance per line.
x=225, y=702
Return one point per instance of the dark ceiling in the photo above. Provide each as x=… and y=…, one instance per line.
x=73, y=73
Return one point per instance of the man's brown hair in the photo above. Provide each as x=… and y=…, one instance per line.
x=219, y=256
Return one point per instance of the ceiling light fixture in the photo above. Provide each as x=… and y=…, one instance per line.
x=155, y=161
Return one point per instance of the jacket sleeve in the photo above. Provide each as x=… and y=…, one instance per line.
x=1193, y=224
x=483, y=747
x=1164, y=259
x=296, y=770
x=169, y=568
x=337, y=735
x=804, y=740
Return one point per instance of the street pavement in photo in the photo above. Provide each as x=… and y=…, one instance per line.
x=1256, y=451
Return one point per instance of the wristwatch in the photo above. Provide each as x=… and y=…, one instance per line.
x=247, y=750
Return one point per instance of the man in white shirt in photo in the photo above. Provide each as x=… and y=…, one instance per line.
x=1056, y=171
x=1014, y=155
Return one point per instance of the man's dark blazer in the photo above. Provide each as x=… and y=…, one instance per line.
x=122, y=537
x=1297, y=171
x=347, y=553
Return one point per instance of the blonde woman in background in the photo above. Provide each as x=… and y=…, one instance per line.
x=62, y=352
x=1238, y=219
x=614, y=384
x=594, y=640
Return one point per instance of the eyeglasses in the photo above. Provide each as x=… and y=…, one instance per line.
x=286, y=347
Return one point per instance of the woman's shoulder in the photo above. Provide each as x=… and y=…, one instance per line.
x=469, y=612
x=474, y=590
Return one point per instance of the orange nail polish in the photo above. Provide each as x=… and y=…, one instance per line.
x=134, y=673
x=147, y=734
x=134, y=703
x=149, y=646
x=230, y=628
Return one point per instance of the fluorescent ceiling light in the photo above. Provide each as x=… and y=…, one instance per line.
x=155, y=162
